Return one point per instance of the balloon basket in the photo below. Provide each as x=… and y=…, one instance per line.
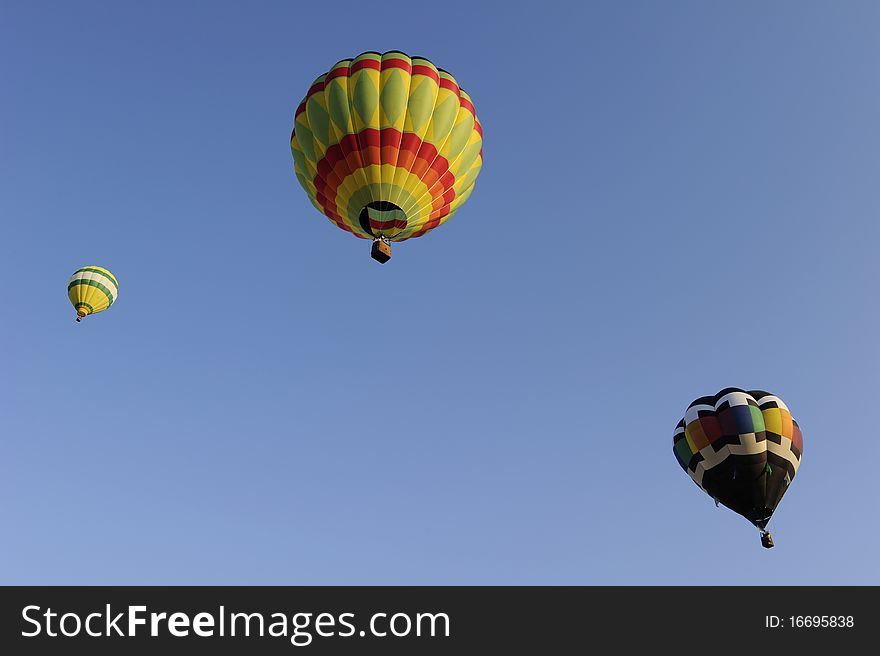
x=766, y=541
x=381, y=251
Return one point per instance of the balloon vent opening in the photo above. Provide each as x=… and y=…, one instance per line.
x=382, y=219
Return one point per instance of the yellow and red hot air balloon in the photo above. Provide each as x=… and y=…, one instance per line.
x=387, y=146
x=92, y=289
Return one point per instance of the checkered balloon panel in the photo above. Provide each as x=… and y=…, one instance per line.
x=743, y=448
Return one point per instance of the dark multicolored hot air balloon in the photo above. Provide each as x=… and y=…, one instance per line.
x=387, y=146
x=743, y=449
x=92, y=289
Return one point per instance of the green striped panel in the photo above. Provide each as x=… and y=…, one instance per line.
x=102, y=272
x=91, y=283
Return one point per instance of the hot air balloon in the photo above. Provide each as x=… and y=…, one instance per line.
x=743, y=449
x=92, y=289
x=387, y=146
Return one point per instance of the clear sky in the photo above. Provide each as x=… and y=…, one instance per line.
x=676, y=197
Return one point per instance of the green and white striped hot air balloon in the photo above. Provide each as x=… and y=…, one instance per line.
x=92, y=289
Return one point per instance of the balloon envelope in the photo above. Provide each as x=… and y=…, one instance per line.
x=92, y=289
x=742, y=448
x=386, y=145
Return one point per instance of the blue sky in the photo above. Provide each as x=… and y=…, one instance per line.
x=676, y=198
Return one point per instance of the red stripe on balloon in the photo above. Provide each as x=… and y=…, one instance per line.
x=427, y=153
x=384, y=225
x=371, y=137
x=446, y=83
x=440, y=165
x=315, y=88
x=427, y=71
x=409, y=149
x=341, y=71
x=397, y=63
x=390, y=137
x=345, y=158
x=375, y=64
